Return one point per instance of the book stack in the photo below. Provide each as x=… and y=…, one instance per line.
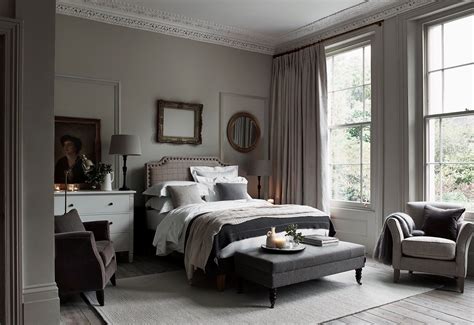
x=317, y=240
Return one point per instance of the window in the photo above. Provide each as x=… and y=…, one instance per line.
x=449, y=111
x=349, y=114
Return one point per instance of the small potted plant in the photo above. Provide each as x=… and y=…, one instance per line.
x=295, y=237
x=100, y=175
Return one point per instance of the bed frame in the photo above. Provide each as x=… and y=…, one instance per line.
x=175, y=168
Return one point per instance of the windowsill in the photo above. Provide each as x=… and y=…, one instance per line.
x=352, y=206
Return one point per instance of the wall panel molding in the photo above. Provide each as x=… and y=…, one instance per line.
x=11, y=167
x=116, y=84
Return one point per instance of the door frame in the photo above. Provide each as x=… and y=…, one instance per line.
x=11, y=170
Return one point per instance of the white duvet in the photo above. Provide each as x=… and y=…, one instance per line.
x=171, y=232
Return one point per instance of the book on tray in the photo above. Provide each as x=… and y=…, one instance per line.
x=318, y=240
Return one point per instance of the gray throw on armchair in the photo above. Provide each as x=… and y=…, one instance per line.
x=428, y=254
x=85, y=257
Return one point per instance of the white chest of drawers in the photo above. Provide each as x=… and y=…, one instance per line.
x=114, y=206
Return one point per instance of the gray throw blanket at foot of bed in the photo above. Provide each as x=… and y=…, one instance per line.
x=384, y=247
x=202, y=231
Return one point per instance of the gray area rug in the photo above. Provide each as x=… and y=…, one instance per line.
x=167, y=298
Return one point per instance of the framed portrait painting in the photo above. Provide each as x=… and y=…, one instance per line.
x=75, y=138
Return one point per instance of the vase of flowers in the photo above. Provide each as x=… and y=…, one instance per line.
x=101, y=176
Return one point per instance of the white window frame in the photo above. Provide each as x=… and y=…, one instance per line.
x=427, y=184
x=373, y=39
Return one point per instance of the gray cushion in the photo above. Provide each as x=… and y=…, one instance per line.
x=441, y=222
x=416, y=210
x=435, y=248
x=68, y=222
x=311, y=256
x=232, y=191
x=184, y=195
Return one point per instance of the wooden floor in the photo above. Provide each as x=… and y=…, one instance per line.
x=442, y=306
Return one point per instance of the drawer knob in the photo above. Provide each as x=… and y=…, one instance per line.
x=70, y=205
x=111, y=204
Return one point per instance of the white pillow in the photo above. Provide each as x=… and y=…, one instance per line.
x=161, y=189
x=210, y=183
x=219, y=171
x=161, y=204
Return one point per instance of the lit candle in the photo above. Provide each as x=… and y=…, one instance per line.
x=279, y=242
x=272, y=201
x=56, y=188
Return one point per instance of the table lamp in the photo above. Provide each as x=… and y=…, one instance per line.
x=125, y=145
x=259, y=168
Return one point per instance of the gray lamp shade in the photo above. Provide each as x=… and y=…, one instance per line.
x=259, y=168
x=125, y=144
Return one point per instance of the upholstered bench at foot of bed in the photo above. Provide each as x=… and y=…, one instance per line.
x=277, y=270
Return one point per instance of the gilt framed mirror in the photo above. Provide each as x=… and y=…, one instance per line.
x=179, y=123
x=243, y=132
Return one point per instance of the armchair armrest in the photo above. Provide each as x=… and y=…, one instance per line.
x=78, y=246
x=101, y=229
x=466, y=230
x=397, y=238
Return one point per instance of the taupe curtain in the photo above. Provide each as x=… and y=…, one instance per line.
x=298, y=126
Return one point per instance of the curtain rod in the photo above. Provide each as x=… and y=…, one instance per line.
x=380, y=22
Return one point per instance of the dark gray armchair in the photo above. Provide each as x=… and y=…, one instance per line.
x=85, y=257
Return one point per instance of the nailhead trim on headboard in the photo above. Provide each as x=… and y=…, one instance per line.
x=175, y=168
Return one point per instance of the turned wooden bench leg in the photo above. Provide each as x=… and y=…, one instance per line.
x=359, y=276
x=220, y=281
x=273, y=297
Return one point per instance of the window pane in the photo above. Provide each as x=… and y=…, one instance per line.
x=329, y=73
x=347, y=106
x=366, y=183
x=348, y=69
x=459, y=89
x=433, y=144
x=434, y=47
x=367, y=65
x=457, y=183
x=367, y=103
x=366, y=145
x=434, y=174
x=459, y=41
x=345, y=145
x=346, y=183
x=435, y=93
x=457, y=139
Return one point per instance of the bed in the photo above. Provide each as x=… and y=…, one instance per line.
x=242, y=224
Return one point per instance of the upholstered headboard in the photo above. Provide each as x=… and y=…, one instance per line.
x=175, y=168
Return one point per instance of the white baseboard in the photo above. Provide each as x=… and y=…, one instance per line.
x=41, y=304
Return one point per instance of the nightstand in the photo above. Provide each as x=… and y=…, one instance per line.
x=114, y=206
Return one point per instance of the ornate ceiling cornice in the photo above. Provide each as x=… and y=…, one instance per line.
x=128, y=15
x=125, y=14
x=351, y=24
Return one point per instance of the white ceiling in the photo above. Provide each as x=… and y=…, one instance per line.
x=264, y=26
x=271, y=17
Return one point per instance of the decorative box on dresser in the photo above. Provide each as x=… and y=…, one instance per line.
x=114, y=206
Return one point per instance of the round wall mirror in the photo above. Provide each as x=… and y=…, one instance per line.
x=243, y=132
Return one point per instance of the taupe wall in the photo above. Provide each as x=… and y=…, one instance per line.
x=153, y=66
x=7, y=8
x=41, y=303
